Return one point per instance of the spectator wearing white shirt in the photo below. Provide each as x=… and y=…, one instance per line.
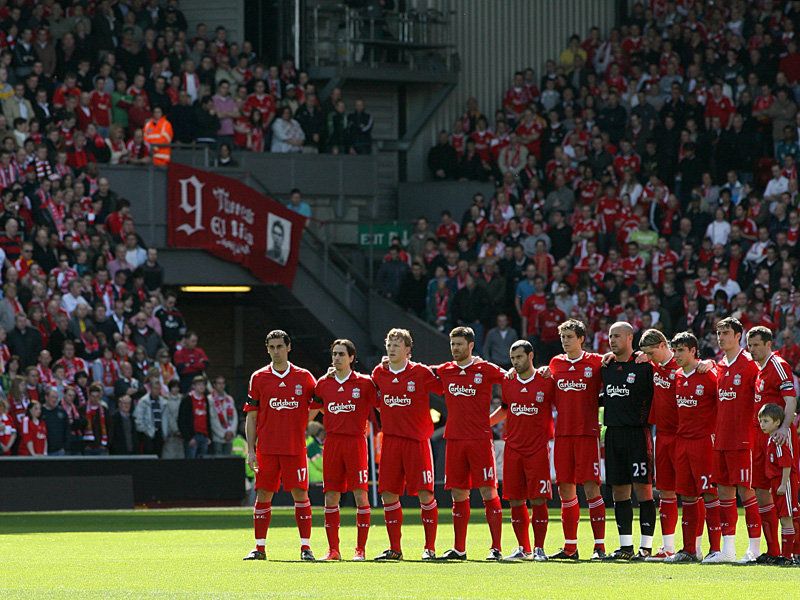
x=135, y=255
x=776, y=186
x=719, y=229
x=726, y=284
x=758, y=251
x=72, y=298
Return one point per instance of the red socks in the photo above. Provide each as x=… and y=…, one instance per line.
x=769, y=525
x=520, y=521
x=262, y=514
x=689, y=526
x=393, y=514
x=363, y=515
x=668, y=509
x=728, y=516
x=713, y=522
x=570, y=516
x=332, y=520
x=302, y=516
x=752, y=518
x=597, y=515
x=540, y=517
x=494, y=517
x=430, y=522
x=701, y=516
x=460, y=523
x=787, y=541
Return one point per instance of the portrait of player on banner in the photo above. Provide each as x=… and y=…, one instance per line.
x=279, y=238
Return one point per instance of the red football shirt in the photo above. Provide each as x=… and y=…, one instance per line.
x=773, y=382
x=663, y=410
x=282, y=401
x=199, y=414
x=347, y=403
x=578, y=384
x=696, y=398
x=778, y=457
x=735, y=390
x=32, y=432
x=404, y=402
x=468, y=396
x=529, y=421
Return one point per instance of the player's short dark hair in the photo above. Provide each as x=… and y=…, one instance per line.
x=773, y=411
x=730, y=323
x=277, y=334
x=685, y=338
x=652, y=337
x=278, y=224
x=349, y=345
x=763, y=332
x=400, y=334
x=464, y=332
x=573, y=325
x=524, y=344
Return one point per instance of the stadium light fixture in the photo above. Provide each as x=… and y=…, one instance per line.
x=216, y=289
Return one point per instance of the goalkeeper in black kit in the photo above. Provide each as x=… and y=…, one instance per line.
x=626, y=397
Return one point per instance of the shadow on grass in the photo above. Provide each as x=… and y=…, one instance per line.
x=159, y=520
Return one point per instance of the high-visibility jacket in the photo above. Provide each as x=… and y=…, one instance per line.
x=159, y=135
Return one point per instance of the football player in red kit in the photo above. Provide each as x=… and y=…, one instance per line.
x=347, y=399
x=664, y=415
x=781, y=470
x=733, y=435
x=774, y=384
x=696, y=398
x=277, y=410
x=406, y=458
x=528, y=413
x=577, y=438
x=469, y=454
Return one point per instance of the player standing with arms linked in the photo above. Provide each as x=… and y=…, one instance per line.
x=406, y=456
x=577, y=438
x=347, y=399
x=469, y=453
x=277, y=410
x=733, y=436
x=528, y=412
x=664, y=415
x=774, y=384
x=627, y=396
x=696, y=398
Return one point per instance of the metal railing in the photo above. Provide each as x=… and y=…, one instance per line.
x=342, y=36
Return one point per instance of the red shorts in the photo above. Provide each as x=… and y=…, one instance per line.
x=274, y=469
x=526, y=475
x=694, y=466
x=665, y=462
x=406, y=466
x=733, y=467
x=469, y=464
x=345, y=465
x=786, y=505
x=577, y=459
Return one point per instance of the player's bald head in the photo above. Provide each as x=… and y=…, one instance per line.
x=621, y=327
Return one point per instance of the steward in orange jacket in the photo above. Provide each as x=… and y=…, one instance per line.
x=158, y=133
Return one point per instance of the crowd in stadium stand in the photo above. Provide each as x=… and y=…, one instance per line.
x=94, y=352
x=649, y=175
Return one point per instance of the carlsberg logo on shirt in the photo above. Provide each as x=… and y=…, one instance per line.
x=392, y=401
x=659, y=381
x=335, y=409
x=461, y=390
x=571, y=386
x=614, y=391
x=727, y=395
x=522, y=410
x=686, y=402
x=276, y=404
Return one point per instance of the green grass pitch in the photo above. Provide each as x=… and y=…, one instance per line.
x=198, y=554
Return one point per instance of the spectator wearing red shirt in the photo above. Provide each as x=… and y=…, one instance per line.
x=547, y=322
x=190, y=360
x=100, y=103
x=720, y=106
x=194, y=419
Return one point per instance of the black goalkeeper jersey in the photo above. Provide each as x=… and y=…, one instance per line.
x=627, y=393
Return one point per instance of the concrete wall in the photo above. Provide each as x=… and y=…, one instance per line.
x=431, y=198
x=229, y=14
